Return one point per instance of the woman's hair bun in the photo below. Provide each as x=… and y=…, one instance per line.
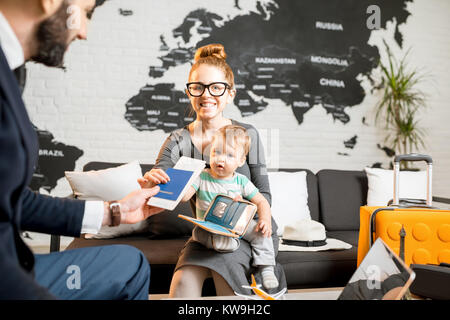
x=211, y=50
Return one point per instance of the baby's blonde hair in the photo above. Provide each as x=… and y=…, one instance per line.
x=236, y=134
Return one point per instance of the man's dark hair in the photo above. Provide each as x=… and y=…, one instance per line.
x=52, y=37
x=99, y=2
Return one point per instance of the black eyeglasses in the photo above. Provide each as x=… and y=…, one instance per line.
x=216, y=89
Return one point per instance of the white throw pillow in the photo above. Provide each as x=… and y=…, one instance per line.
x=289, y=197
x=412, y=184
x=107, y=185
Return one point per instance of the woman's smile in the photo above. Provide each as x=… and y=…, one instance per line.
x=209, y=105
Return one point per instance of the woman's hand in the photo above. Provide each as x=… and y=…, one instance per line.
x=265, y=227
x=152, y=178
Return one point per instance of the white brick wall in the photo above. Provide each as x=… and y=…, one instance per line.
x=83, y=105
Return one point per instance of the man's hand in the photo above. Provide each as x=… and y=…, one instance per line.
x=134, y=207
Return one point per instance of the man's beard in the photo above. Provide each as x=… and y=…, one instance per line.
x=52, y=36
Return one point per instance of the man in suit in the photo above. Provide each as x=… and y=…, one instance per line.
x=41, y=30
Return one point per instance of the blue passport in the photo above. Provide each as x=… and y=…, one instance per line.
x=172, y=189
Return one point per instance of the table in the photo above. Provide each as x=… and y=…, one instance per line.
x=294, y=294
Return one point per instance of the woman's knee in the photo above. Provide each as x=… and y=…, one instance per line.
x=188, y=281
x=222, y=286
x=192, y=274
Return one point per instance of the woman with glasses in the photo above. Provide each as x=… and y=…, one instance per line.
x=210, y=89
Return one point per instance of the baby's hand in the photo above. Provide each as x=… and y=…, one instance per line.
x=265, y=226
x=152, y=178
x=237, y=198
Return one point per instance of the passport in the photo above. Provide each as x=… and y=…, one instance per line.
x=181, y=177
x=172, y=189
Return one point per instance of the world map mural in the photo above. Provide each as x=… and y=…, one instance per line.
x=305, y=53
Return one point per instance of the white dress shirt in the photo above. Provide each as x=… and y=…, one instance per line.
x=10, y=44
x=94, y=210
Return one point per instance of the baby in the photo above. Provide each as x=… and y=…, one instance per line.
x=229, y=148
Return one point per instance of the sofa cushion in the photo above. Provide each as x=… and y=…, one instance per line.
x=341, y=193
x=302, y=269
x=106, y=185
x=167, y=224
x=349, y=236
x=157, y=251
x=285, y=186
x=413, y=185
x=318, y=269
x=313, y=195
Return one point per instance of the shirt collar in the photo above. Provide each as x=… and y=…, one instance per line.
x=10, y=44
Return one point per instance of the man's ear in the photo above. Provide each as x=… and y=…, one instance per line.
x=49, y=7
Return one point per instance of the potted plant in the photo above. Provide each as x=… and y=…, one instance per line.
x=399, y=105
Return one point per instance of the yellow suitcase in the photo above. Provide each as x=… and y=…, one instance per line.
x=427, y=233
x=418, y=233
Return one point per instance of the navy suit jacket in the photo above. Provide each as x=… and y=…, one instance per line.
x=20, y=207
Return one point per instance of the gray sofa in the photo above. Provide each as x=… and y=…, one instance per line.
x=334, y=198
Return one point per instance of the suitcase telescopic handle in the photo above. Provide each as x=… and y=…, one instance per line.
x=412, y=157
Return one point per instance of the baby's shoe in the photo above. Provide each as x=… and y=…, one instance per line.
x=224, y=244
x=202, y=236
x=269, y=279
